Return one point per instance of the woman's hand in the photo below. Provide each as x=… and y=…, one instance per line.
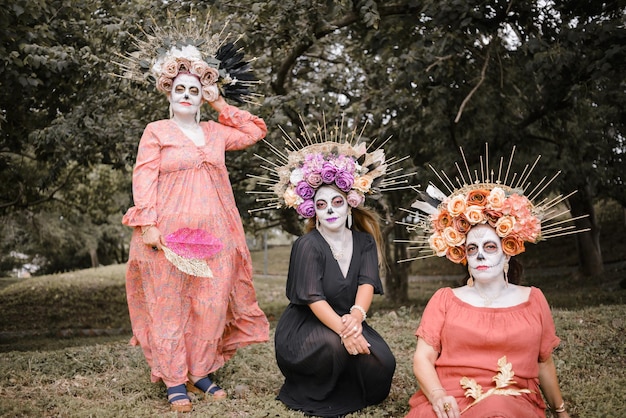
x=351, y=326
x=445, y=406
x=356, y=345
x=152, y=236
x=218, y=104
x=352, y=335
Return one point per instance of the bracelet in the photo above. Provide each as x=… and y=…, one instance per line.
x=360, y=309
x=560, y=408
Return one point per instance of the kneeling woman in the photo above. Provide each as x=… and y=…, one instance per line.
x=334, y=363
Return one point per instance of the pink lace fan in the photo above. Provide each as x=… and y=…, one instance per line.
x=188, y=250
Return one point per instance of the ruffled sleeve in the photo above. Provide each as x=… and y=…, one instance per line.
x=245, y=128
x=145, y=180
x=304, y=280
x=368, y=269
x=433, y=318
x=549, y=340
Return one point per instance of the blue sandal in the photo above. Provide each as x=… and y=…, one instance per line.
x=180, y=392
x=207, y=388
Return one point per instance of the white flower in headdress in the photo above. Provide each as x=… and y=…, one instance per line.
x=296, y=176
x=189, y=52
x=156, y=67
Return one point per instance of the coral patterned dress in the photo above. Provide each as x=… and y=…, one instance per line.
x=470, y=341
x=187, y=324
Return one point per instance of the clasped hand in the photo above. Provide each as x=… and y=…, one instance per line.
x=352, y=336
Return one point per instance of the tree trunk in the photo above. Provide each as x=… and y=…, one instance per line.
x=93, y=253
x=589, y=251
x=123, y=255
x=396, y=274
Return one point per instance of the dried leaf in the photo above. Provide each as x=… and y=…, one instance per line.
x=503, y=379
x=511, y=392
x=505, y=376
x=472, y=388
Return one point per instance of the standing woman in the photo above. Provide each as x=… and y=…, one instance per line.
x=189, y=326
x=333, y=361
x=485, y=349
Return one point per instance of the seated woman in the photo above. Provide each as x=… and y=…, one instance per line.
x=485, y=349
x=333, y=361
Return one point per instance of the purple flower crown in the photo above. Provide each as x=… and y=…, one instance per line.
x=326, y=155
x=349, y=168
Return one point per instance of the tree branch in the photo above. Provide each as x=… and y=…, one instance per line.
x=480, y=81
x=322, y=30
x=49, y=196
x=439, y=60
x=19, y=154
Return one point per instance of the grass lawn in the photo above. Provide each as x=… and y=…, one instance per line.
x=64, y=351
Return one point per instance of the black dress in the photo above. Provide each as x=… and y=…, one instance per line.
x=321, y=378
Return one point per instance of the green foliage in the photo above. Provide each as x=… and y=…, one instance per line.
x=430, y=75
x=58, y=126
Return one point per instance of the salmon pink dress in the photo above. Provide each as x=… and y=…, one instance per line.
x=187, y=324
x=470, y=341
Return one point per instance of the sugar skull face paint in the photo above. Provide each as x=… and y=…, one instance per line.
x=331, y=208
x=186, y=96
x=485, y=258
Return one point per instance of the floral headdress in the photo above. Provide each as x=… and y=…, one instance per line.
x=483, y=199
x=181, y=46
x=327, y=157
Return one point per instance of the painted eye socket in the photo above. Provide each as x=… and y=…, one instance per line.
x=180, y=89
x=337, y=202
x=488, y=247
x=321, y=204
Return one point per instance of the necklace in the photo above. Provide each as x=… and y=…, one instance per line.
x=488, y=300
x=337, y=254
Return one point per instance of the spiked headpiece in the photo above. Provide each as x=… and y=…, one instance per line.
x=182, y=45
x=506, y=201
